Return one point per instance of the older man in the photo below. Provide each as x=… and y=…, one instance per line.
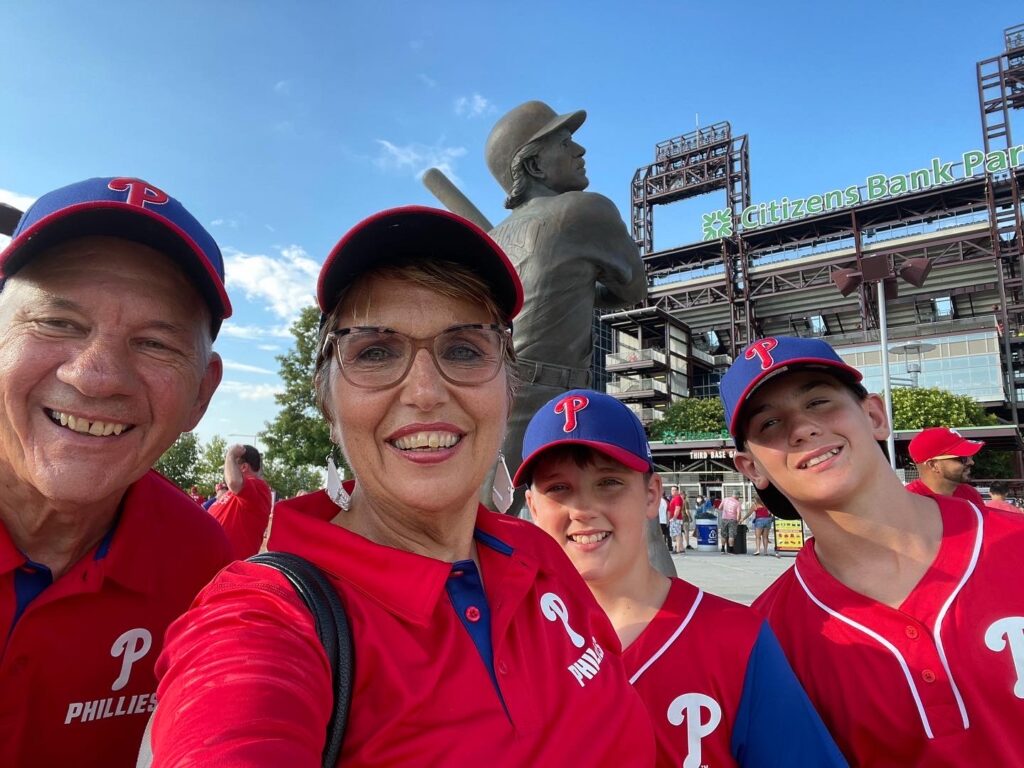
x=944, y=459
x=112, y=295
x=571, y=249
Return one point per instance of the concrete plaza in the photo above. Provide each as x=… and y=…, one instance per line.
x=737, y=577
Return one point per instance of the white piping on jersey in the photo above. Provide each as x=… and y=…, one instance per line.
x=672, y=639
x=945, y=607
x=882, y=641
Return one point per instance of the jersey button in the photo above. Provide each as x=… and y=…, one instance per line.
x=472, y=613
x=912, y=632
x=928, y=676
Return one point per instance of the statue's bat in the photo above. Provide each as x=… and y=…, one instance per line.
x=451, y=197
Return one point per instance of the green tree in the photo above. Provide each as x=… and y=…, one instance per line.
x=288, y=481
x=917, y=408
x=210, y=467
x=692, y=418
x=298, y=439
x=180, y=462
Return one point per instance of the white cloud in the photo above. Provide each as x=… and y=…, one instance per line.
x=245, y=391
x=417, y=158
x=284, y=283
x=21, y=202
x=283, y=86
x=268, y=347
x=233, y=223
x=427, y=80
x=473, y=106
x=233, y=365
x=235, y=331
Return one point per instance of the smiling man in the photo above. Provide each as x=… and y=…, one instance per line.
x=112, y=295
x=896, y=616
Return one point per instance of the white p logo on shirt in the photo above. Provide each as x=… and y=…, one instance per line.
x=687, y=709
x=554, y=609
x=133, y=644
x=1009, y=632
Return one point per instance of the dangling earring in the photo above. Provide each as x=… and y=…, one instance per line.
x=334, y=488
x=502, y=489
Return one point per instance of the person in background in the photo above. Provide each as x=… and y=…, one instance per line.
x=998, y=490
x=729, y=519
x=762, y=528
x=112, y=296
x=218, y=493
x=592, y=487
x=944, y=459
x=663, y=522
x=244, y=511
x=195, y=495
x=475, y=641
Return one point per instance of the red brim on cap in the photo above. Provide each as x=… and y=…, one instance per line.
x=420, y=232
x=130, y=222
x=848, y=372
x=624, y=457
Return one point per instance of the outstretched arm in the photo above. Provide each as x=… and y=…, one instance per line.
x=622, y=279
x=232, y=472
x=244, y=679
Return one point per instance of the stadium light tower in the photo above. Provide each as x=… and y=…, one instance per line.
x=878, y=270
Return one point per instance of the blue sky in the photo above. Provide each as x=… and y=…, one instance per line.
x=281, y=124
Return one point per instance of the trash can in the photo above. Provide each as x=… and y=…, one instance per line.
x=707, y=534
x=739, y=545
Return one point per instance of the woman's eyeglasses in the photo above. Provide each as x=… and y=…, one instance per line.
x=376, y=358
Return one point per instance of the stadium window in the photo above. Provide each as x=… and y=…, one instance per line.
x=818, y=325
x=943, y=307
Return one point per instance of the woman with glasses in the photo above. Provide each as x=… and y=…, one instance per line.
x=475, y=641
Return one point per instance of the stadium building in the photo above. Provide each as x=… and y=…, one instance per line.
x=933, y=255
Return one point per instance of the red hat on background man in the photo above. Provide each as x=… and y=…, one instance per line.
x=941, y=443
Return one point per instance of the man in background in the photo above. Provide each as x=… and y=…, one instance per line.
x=998, y=491
x=218, y=493
x=729, y=520
x=944, y=459
x=244, y=510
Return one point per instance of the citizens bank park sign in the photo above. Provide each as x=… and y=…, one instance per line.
x=718, y=224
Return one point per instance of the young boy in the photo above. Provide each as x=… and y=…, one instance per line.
x=711, y=673
x=902, y=616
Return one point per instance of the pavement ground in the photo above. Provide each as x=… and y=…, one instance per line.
x=736, y=577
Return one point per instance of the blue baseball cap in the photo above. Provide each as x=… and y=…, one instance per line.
x=588, y=418
x=765, y=358
x=128, y=208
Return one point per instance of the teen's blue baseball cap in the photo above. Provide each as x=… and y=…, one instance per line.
x=589, y=418
x=766, y=358
x=128, y=208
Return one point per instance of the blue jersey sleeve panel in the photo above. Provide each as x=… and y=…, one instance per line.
x=776, y=724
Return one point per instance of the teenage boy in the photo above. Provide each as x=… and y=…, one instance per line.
x=897, y=616
x=592, y=487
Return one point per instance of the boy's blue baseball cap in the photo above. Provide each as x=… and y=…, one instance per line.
x=128, y=208
x=589, y=418
x=766, y=358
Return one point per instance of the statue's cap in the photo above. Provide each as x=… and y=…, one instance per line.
x=528, y=122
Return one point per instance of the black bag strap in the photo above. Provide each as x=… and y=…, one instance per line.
x=333, y=630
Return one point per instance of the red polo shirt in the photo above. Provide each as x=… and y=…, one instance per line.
x=76, y=676
x=937, y=681
x=521, y=671
x=244, y=516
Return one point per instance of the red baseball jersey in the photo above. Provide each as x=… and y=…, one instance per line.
x=717, y=686
x=963, y=491
x=244, y=516
x=513, y=664
x=938, y=681
x=76, y=676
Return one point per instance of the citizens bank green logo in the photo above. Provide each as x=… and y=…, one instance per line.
x=718, y=224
